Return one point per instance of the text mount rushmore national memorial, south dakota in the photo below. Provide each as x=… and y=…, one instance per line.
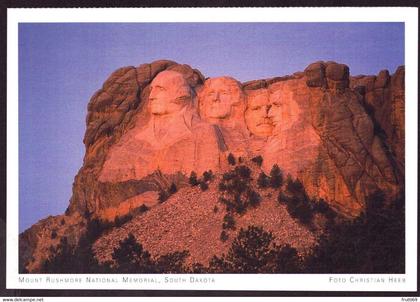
x=181, y=172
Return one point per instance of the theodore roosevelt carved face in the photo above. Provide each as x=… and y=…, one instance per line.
x=169, y=93
x=220, y=98
x=256, y=114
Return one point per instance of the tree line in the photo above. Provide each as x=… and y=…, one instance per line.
x=374, y=242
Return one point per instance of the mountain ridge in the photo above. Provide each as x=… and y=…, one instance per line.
x=342, y=136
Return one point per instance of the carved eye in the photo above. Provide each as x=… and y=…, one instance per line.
x=158, y=88
x=256, y=108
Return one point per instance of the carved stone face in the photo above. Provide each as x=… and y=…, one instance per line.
x=169, y=93
x=218, y=97
x=284, y=110
x=275, y=111
x=256, y=114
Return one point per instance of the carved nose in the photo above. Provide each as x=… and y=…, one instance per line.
x=267, y=109
x=269, y=112
x=152, y=95
x=216, y=98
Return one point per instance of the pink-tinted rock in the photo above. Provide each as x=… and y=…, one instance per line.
x=256, y=114
x=112, y=111
x=35, y=243
x=315, y=75
x=337, y=75
x=326, y=138
x=173, y=140
x=151, y=126
x=193, y=76
x=328, y=129
x=384, y=100
x=130, y=205
x=256, y=84
x=221, y=102
x=259, y=84
x=398, y=79
x=337, y=72
x=382, y=79
x=160, y=65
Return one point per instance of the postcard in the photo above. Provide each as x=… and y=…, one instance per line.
x=216, y=149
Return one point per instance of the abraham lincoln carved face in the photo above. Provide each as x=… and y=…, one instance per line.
x=284, y=111
x=220, y=98
x=256, y=114
x=169, y=93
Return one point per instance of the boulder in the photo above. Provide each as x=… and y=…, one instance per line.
x=337, y=75
x=315, y=75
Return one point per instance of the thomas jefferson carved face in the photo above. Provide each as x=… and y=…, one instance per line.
x=219, y=98
x=169, y=93
x=256, y=114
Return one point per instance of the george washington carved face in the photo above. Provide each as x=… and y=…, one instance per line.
x=169, y=93
x=220, y=97
x=256, y=114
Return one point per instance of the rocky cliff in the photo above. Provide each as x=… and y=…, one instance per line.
x=153, y=125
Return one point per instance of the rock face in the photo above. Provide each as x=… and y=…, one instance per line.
x=195, y=226
x=152, y=125
x=173, y=140
x=256, y=115
x=35, y=243
x=384, y=100
x=112, y=111
x=324, y=136
x=222, y=103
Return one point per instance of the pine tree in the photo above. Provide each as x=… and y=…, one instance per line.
x=253, y=198
x=231, y=159
x=203, y=186
x=143, y=208
x=228, y=222
x=208, y=175
x=172, y=263
x=163, y=196
x=131, y=257
x=263, y=180
x=193, y=179
x=251, y=251
x=66, y=258
x=276, y=177
x=59, y=261
x=172, y=189
x=224, y=236
x=258, y=160
x=255, y=251
x=243, y=172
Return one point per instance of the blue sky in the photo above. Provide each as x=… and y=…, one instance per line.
x=61, y=65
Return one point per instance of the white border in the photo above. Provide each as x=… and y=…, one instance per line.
x=291, y=282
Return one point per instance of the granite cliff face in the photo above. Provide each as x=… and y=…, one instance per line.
x=152, y=125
